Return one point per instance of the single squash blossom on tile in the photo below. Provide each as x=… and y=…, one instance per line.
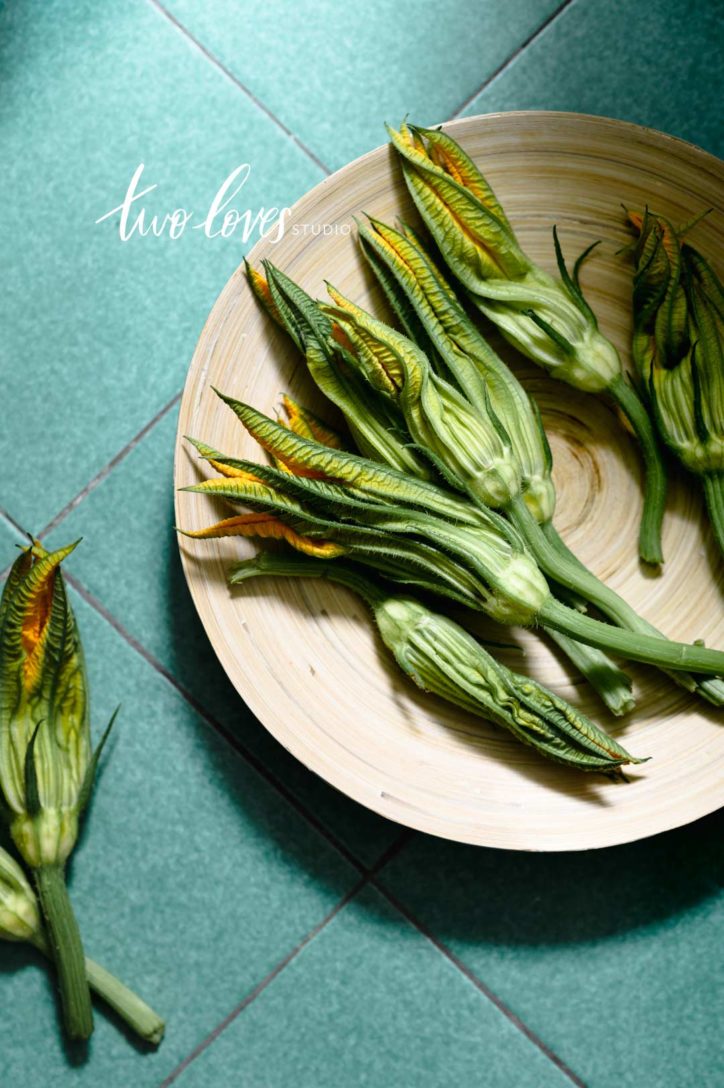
x=440, y=657
x=508, y=582
x=46, y=764
x=547, y=319
x=678, y=348
x=20, y=920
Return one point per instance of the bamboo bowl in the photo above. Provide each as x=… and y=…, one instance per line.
x=304, y=655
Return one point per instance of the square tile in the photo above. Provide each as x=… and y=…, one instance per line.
x=98, y=333
x=371, y=1002
x=193, y=880
x=657, y=64
x=339, y=71
x=612, y=957
x=129, y=560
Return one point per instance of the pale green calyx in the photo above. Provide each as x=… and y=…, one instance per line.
x=469, y=446
x=19, y=913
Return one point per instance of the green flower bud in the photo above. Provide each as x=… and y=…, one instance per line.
x=440, y=326
x=45, y=748
x=442, y=658
x=548, y=320
x=469, y=446
x=679, y=342
x=19, y=913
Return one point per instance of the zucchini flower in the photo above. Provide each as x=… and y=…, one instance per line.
x=509, y=584
x=470, y=448
x=20, y=920
x=678, y=349
x=547, y=319
x=46, y=764
x=479, y=373
x=468, y=457
x=376, y=427
x=442, y=658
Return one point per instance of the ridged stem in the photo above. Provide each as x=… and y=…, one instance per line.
x=67, y=950
x=572, y=574
x=638, y=647
x=611, y=684
x=654, y=472
x=139, y=1016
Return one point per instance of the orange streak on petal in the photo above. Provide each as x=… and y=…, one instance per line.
x=235, y=473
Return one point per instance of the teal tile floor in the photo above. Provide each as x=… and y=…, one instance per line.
x=291, y=937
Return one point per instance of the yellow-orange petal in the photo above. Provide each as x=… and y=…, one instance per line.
x=266, y=525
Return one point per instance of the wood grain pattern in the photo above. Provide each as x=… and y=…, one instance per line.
x=304, y=656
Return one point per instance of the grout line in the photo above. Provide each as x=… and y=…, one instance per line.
x=241, y=86
x=477, y=983
x=107, y=469
x=241, y=749
x=226, y=734
x=261, y=986
x=388, y=854
x=513, y=56
x=12, y=522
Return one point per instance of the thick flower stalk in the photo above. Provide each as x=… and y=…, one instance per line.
x=547, y=319
x=678, y=349
x=20, y=920
x=442, y=658
x=508, y=582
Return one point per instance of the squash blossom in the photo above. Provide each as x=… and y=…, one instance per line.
x=487, y=382
x=442, y=658
x=507, y=582
x=470, y=446
x=547, y=319
x=375, y=425
x=678, y=348
x=46, y=764
x=20, y=920
x=436, y=322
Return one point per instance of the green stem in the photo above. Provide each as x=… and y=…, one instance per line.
x=139, y=1016
x=572, y=574
x=654, y=471
x=296, y=566
x=612, y=684
x=639, y=647
x=714, y=493
x=67, y=950
x=130, y=1007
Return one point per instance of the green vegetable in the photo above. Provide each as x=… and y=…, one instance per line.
x=20, y=920
x=507, y=582
x=547, y=319
x=440, y=657
x=613, y=686
x=678, y=348
x=47, y=769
